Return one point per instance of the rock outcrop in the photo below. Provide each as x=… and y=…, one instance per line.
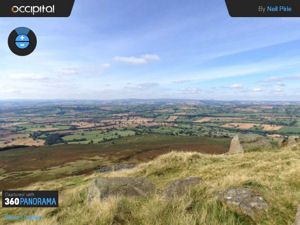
x=105, y=169
x=179, y=187
x=292, y=141
x=282, y=142
x=102, y=188
x=248, y=142
x=297, y=221
x=244, y=201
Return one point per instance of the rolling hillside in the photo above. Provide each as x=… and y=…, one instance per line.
x=272, y=173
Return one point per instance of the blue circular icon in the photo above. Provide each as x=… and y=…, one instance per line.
x=22, y=41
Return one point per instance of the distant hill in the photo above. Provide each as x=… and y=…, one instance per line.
x=5, y=104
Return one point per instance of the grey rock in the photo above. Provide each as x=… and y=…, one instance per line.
x=124, y=167
x=244, y=201
x=254, y=141
x=292, y=141
x=297, y=221
x=250, y=138
x=179, y=187
x=102, y=188
x=282, y=142
x=115, y=168
x=105, y=169
x=249, y=142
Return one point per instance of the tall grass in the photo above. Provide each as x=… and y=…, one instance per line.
x=274, y=174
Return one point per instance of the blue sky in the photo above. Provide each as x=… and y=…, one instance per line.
x=190, y=49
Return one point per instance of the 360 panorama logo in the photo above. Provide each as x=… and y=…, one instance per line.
x=50, y=9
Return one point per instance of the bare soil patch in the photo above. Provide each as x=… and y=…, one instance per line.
x=244, y=126
x=20, y=139
x=203, y=120
x=172, y=118
x=83, y=124
x=268, y=127
x=8, y=125
x=217, y=119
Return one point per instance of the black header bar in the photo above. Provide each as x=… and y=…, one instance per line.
x=263, y=8
x=36, y=8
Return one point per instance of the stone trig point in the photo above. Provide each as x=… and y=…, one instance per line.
x=297, y=221
x=235, y=146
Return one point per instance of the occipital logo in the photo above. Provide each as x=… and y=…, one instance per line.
x=50, y=9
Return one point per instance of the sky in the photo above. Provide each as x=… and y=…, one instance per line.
x=193, y=49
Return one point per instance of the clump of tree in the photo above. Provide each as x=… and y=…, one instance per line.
x=78, y=140
x=36, y=135
x=53, y=139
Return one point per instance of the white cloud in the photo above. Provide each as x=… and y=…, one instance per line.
x=237, y=86
x=131, y=60
x=9, y=91
x=142, y=60
x=272, y=79
x=294, y=77
x=278, y=90
x=281, y=84
x=68, y=71
x=279, y=80
x=141, y=86
x=257, y=90
x=151, y=57
x=87, y=69
x=188, y=91
x=24, y=76
x=106, y=65
x=241, y=70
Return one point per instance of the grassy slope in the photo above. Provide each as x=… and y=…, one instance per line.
x=274, y=174
x=33, y=158
x=21, y=167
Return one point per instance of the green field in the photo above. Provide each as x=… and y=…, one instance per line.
x=61, y=123
x=87, y=137
x=290, y=130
